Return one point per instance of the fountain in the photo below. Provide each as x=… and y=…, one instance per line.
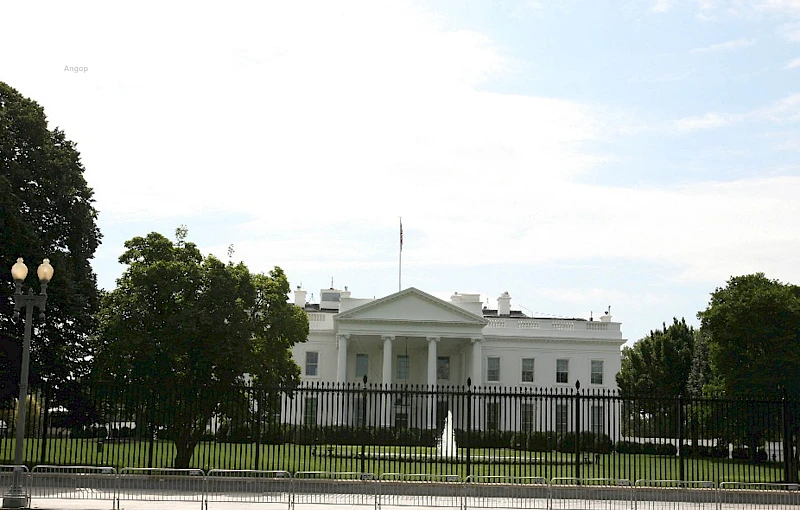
x=446, y=445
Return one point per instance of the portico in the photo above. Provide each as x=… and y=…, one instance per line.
x=409, y=324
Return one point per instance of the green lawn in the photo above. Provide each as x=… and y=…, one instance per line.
x=504, y=463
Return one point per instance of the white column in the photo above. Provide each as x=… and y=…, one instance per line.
x=477, y=361
x=341, y=369
x=387, y=359
x=433, y=342
x=432, y=357
x=386, y=379
x=477, y=380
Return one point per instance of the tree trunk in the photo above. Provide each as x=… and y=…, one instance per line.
x=184, y=446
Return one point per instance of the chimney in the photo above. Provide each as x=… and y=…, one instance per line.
x=504, y=305
x=300, y=297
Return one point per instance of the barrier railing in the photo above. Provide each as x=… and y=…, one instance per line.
x=675, y=494
x=332, y=488
x=73, y=482
x=594, y=492
x=158, y=484
x=249, y=486
x=282, y=489
x=7, y=477
x=750, y=496
x=432, y=490
x=506, y=492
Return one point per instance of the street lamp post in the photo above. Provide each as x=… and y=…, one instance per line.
x=16, y=497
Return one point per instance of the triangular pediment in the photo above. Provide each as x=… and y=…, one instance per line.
x=411, y=305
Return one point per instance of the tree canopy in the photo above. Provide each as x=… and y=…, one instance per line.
x=660, y=363
x=46, y=210
x=187, y=327
x=753, y=329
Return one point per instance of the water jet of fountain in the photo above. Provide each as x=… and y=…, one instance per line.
x=446, y=445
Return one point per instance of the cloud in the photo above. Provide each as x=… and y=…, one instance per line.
x=792, y=64
x=790, y=31
x=784, y=110
x=779, y=6
x=707, y=121
x=726, y=46
x=661, y=6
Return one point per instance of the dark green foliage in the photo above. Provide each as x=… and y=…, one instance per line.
x=46, y=210
x=658, y=364
x=647, y=448
x=185, y=328
x=753, y=328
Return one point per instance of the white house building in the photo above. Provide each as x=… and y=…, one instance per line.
x=411, y=337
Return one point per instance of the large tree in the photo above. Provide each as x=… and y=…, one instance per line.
x=46, y=210
x=753, y=329
x=185, y=328
x=654, y=374
x=660, y=363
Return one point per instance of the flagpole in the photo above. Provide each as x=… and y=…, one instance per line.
x=400, y=265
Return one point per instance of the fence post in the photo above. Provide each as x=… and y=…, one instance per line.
x=364, y=428
x=43, y=446
x=469, y=426
x=255, y=394
x=680, y=437
x=577, y=429
x=789, y=473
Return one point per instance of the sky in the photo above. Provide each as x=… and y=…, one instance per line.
x=581, y=155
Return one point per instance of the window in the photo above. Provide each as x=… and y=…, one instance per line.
x=310, y=411
x=597, y=371
x=596, y=419
x=362, y=365
x=443, y=368
x=493, y=416
x=562, y=418
x=492, y=369
x=562, y=370
x=402, y=366
x=527, y=369
x=329, y=296
x=312, y=363
x=527, y=417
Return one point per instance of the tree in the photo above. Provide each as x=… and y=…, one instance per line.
x=184, y=329
x=657, y=366
x=46, y=210
x=753, y=329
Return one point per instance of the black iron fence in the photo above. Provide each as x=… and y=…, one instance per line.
x=463, y=431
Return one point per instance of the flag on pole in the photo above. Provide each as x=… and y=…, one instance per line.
x=401, y=234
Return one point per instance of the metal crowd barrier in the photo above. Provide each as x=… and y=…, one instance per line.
x=760, y=496
x=332, y=488
x=403, y=489
x=7, y=477
x=160, y=484
x=676, y=494
x=7, y=474
x=506, y=492
x=273, y=488
x=281, y=489
x=591, y=494
x=73, y=482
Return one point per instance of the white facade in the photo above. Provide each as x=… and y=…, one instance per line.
x=415, y=338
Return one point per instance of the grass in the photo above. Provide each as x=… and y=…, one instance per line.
x=416, y=460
